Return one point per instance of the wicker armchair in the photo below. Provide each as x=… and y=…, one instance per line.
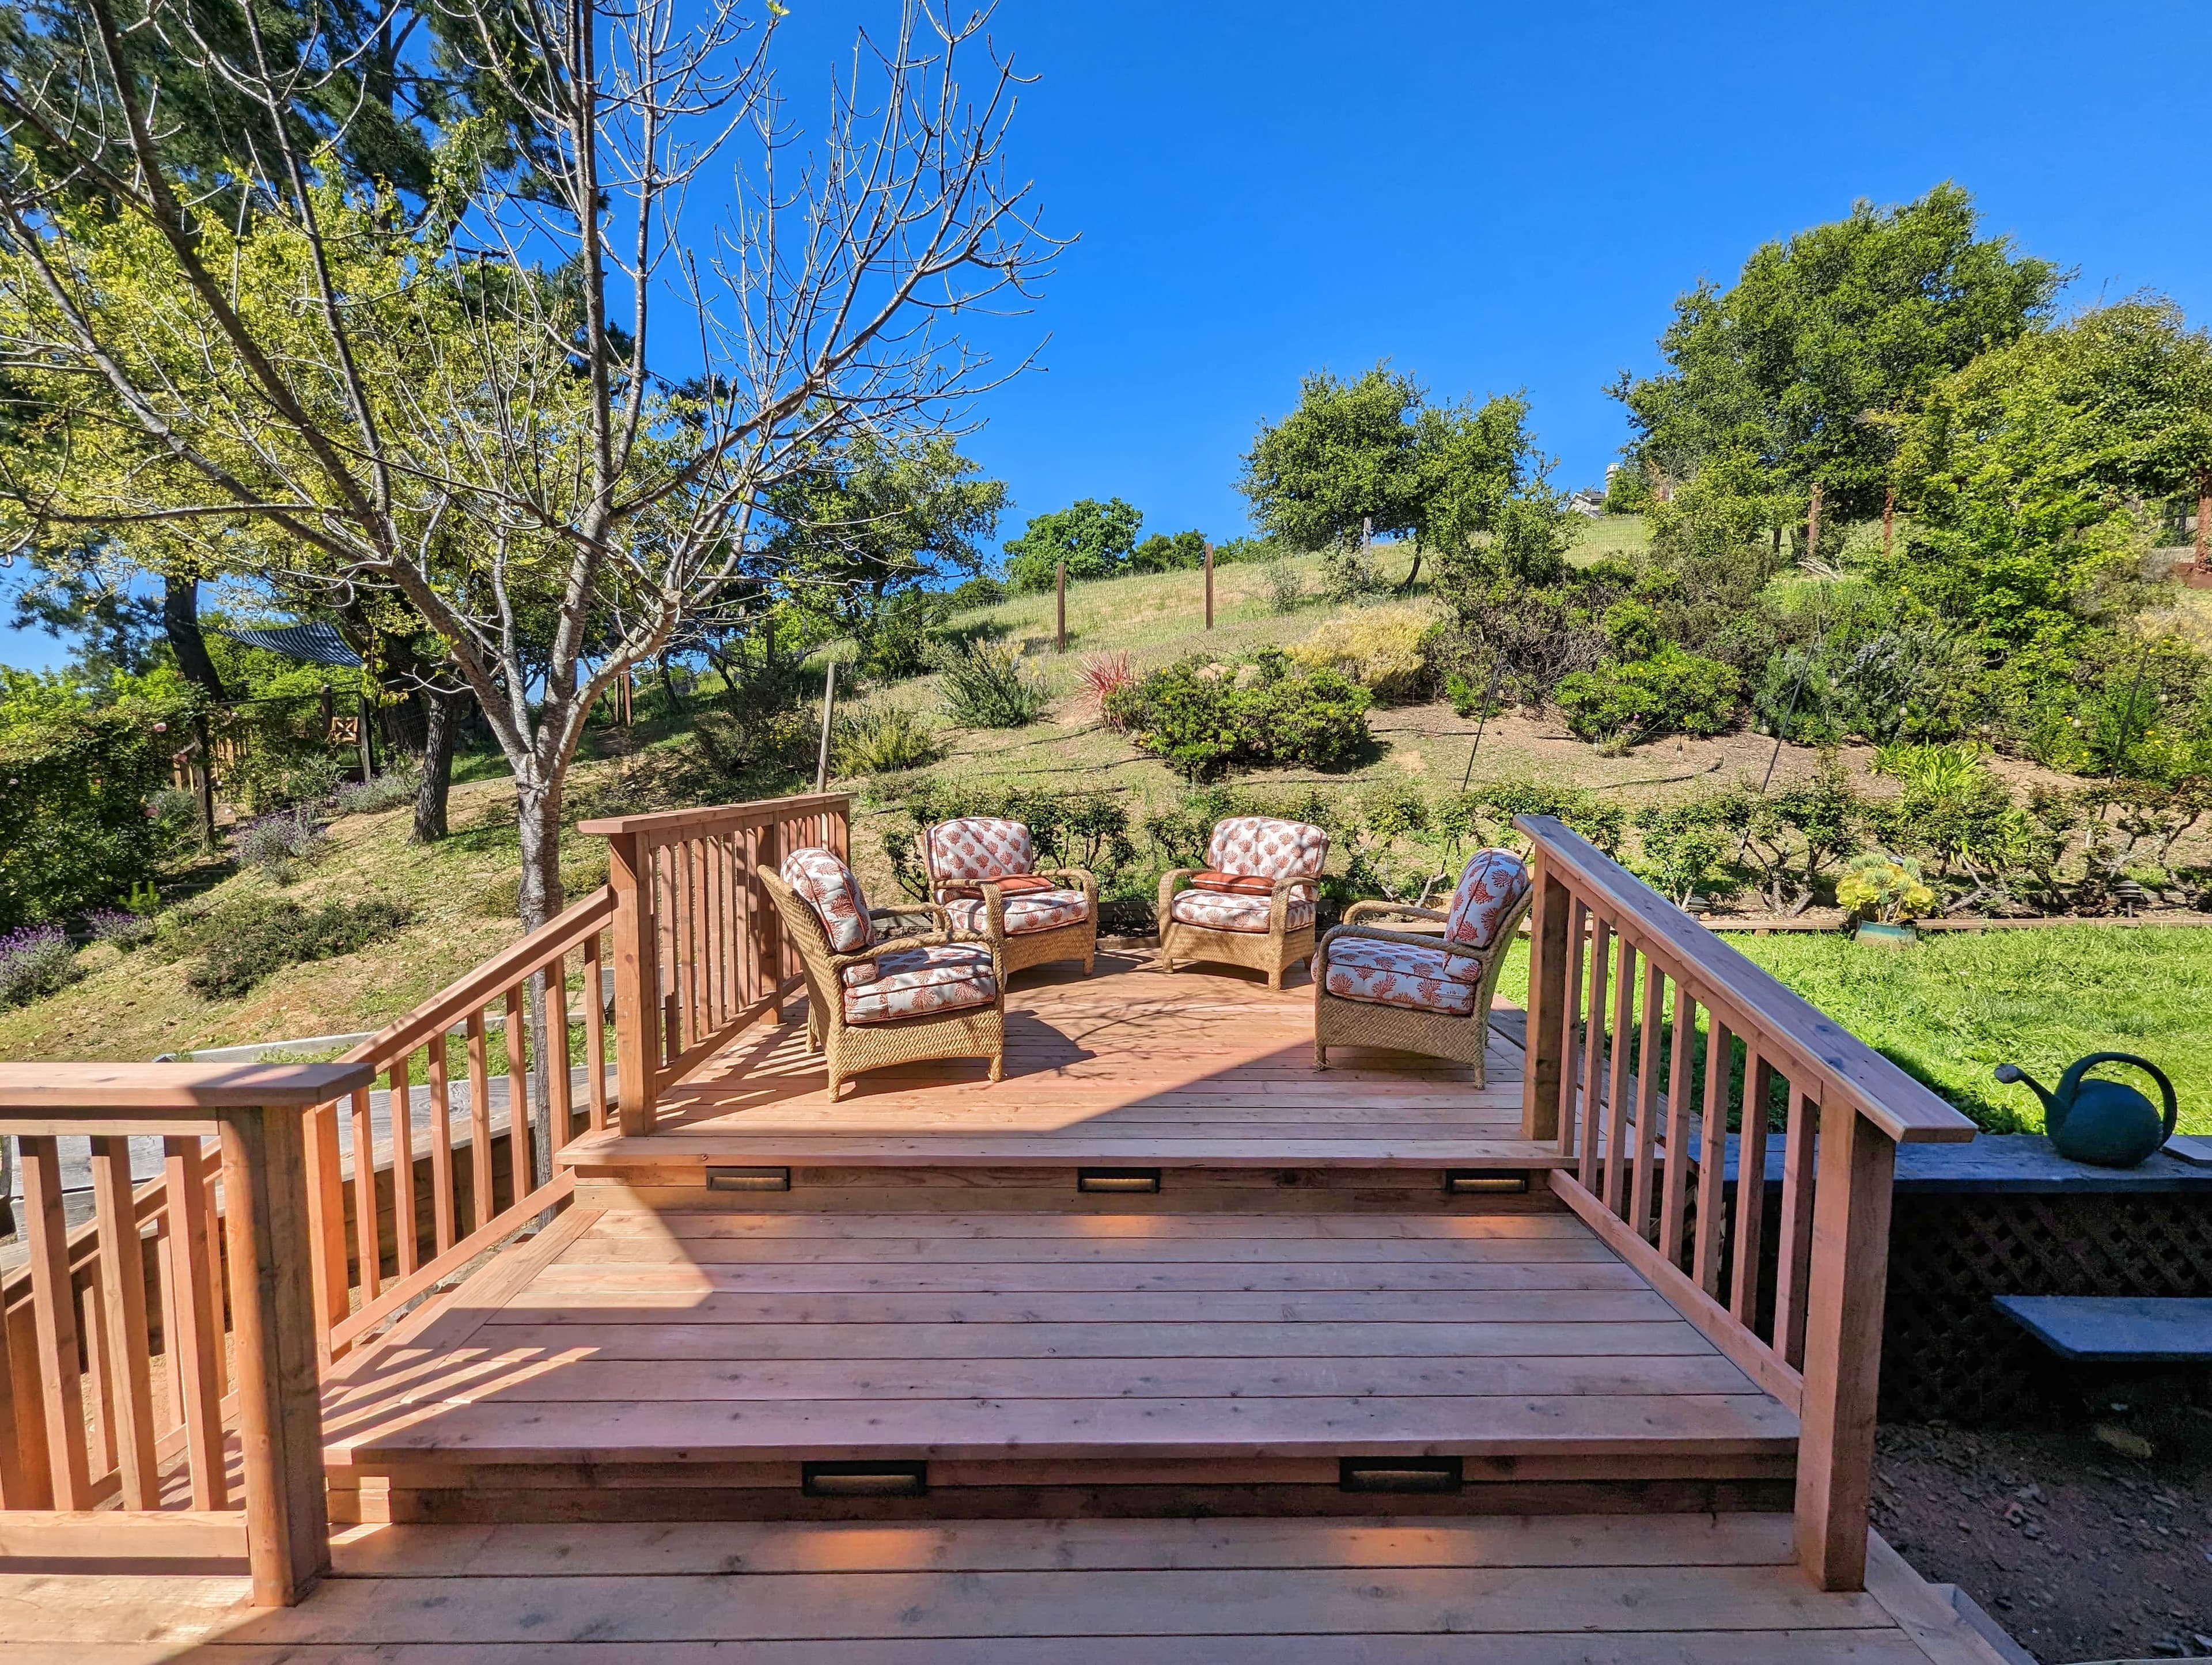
x=874, y=1000
x=1416, y=992
x=1252, y=904
x=968, y=862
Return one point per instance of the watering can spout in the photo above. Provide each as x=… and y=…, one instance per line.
x=2054, y=1108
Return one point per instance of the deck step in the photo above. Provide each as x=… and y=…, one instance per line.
x=694, y=1365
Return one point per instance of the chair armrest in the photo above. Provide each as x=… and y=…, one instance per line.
x=1360, y=910
x=1081, y=875
x=1171, y=881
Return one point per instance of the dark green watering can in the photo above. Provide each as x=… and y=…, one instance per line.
x=2107, y=1124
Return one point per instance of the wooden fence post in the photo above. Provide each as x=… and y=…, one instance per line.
x=280, y=1413
x=1060, y=631
x=1843, y=1346
x=1209, y=585
x=637, y=1012
x=1548, y=1000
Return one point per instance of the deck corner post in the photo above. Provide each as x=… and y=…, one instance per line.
x=280, y=1413
x=1547, y=999
x=1848, y=1278
x=637, y=1014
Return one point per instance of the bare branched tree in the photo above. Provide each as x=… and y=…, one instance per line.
x=459, y=396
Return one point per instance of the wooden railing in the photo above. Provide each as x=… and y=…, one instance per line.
x=1649, y=1039
x=698, y=953
x=85, y=1423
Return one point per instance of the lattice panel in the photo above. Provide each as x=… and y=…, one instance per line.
x=1947, y=1354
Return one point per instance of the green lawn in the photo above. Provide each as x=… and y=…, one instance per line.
x=1952, y=1007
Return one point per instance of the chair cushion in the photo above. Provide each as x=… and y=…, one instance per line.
x=828, y=886
x=1224, y=910
x=1032, y=910
x=911, y=983
x=1243, y=884
x=1490, y=889
x=1399, y=974
x=977, y=847
x=1260, y=845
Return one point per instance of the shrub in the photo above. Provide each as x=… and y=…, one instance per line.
x=1069, y=828
x=1598, y=819
x=120, y=925
x=1792, y=838
x=1162, y=554
x=1233, y=551
x=1347, y=571
x=1383, y=649
x=985, y=686
x=76, y=828
x=1207, y=717
x=896, y=641
x=268, y=778
x=1887, y=888
x=1681, y=849
x=35, y=961
x=882, y=742
x=502, y=897
x=277, y=844
x=1670, y=692
x=972, y=593
x=388, y=791
x=1105, y=675
x=1286, y=586
x=242, y=944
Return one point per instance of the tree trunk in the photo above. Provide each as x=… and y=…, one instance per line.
x=538, y=818
x=180, y=622
x=442, y=719
x=1812, y=525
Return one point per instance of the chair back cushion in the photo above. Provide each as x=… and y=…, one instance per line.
x=827, y=885
x=977, y=847
x=1261, y=846
x=1489, y=890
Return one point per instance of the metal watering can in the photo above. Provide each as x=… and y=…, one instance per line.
x=2107, y=1124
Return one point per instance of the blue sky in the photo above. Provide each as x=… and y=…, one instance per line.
x=1500, y=196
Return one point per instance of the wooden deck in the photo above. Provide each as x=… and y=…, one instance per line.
x=1614, y=1590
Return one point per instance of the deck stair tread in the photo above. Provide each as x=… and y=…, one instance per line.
x=952, y=1337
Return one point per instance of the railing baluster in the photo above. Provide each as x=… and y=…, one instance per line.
x=406, y=1229
x=123, y=1300
x=518, y=1095
x=1647, y=1101
x=99, y=1396
x=368, y=1245
x=60, y=1370
x=327, y=1215
x=554, y=981
x=1795, y=1249
x=595, y=1033
x=1616, y=1096
x=481, y=1204
x=1594, y=1053
x=194, y=1324
x=445, y=1223
x=1750, y=1222
x=1574, y=1138
x=1712, y=1155
x=1676, y=1180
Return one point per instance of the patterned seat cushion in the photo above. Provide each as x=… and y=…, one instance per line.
x=1490, y=889
x=1401, y=974
x=827, y=885
x=911, y=983
x=1225, y=910
x=1032, y=910
x=976, y=847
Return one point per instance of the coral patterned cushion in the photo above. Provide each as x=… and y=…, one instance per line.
x=1261, y=846
x=827, y=885
x=978, y=846
x=1401, y=974
x=1224, y=910
x=1245, y=884
x=1034, y=910
x=1489, y=890
x=911, y=983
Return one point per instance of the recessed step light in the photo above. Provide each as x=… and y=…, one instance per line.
x=1398, y=1474
x=749, y=1179
x=1129, y=1179
x=863, y=1479
x=1484, y=1182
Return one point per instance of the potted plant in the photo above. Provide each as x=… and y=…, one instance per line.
x=1887, y=894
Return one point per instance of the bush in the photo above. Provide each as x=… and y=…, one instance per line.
x=882, y=742
x=985, y=686
x=241, y=944
x=1068, y=828
x=1383, y=649
x=267, y=778
x=277, y=844
x=1286, y=586
x=1234, y=551
x=120, y=926
x=1598, y=819
x=387, y=790
x=1670, y=692
x=1887, y=888
x=1162, y=554
x=1207, y=717
x=1347, y=571
x=894, y=643
x=76, y=828
x=35, y=961
x=1682, y=847
x=1105, y=675
x=972, y=593
x=502, y=897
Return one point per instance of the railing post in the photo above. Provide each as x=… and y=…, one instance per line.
x=280, y=1416
x=769, y=855
x=1547, y=1002
x=1843, y=1346
x=637, y=1013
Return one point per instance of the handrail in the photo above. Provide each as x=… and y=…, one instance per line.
x=1801, y=1315
x=61, y=1457
x=668, y=823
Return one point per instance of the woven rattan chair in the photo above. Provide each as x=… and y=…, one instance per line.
x=873, y=1000
x=1414, y=993
x=1252, y=904
x=983, y=870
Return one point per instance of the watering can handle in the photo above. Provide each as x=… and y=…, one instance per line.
x=2081, y=1067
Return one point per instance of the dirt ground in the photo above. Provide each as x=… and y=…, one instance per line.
x=2081, y=1551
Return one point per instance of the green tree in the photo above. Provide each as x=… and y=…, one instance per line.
x=1095, y=539
x=1161, y=553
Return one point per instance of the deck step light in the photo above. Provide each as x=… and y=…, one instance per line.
x=1476, y=1182
x=1117, y=1179
x=1398, y=1473
x=863, y=1479
x=749, y=1179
